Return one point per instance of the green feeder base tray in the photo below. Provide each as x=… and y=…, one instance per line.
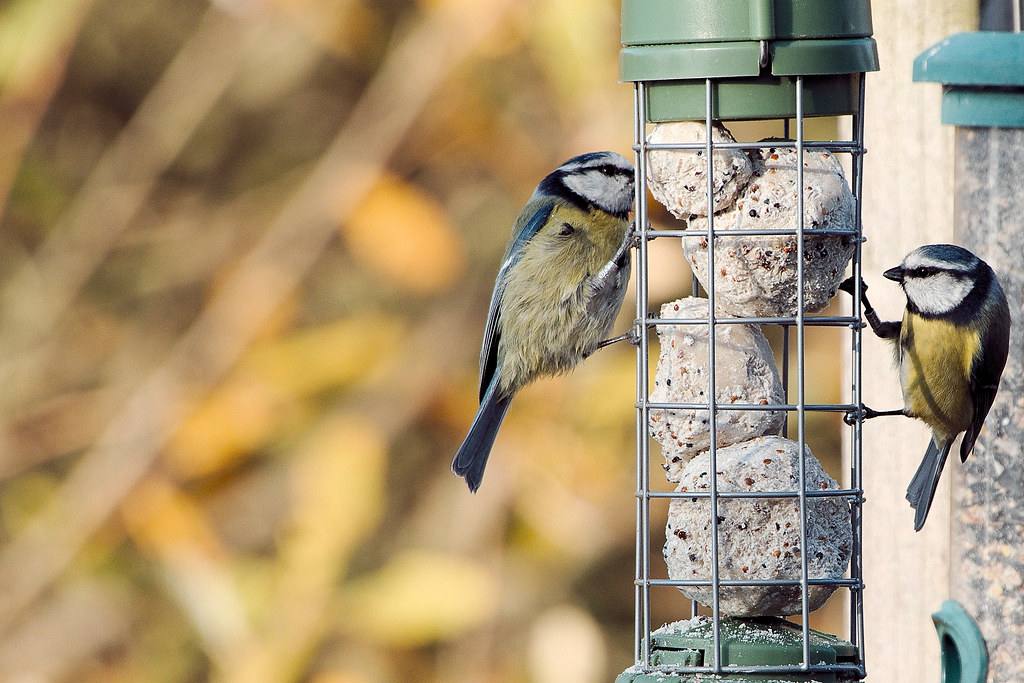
x=744, y=643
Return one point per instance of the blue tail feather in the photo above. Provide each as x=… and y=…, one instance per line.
x=471, y=458
x=922, y=487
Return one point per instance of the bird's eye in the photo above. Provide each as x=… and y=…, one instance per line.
x=566, y=229
x=920, y=272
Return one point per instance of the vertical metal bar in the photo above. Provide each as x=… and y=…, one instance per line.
x=712, y=415
x=801, y=371
x=637, y=606
x=785, y=376
x=643, y=513
x=785, y=331
x=855, y=371
x=856, y=452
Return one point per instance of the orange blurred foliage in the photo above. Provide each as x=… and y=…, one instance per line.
x=402, y=235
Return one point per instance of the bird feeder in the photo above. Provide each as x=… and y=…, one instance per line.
x=757, y=530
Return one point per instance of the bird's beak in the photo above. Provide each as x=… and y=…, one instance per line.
x=894, y=274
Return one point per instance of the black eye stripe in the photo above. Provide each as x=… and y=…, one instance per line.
x=927, y=271
x=616, y=171
x=609, y=170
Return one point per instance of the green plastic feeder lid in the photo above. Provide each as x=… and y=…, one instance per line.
x=737, y=59
x=982, y=75
x=755, y=48
x=652, y=22
x=745, y=642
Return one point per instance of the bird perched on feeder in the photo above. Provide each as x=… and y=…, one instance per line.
x=560, y=286
x=951, y=347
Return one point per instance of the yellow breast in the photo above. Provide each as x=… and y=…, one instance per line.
x=935, y=368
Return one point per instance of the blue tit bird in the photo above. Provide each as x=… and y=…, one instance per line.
x=559, y=288
x=951, y=347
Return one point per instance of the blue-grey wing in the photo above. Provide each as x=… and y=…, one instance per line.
x=529, y=223
x=985, y=373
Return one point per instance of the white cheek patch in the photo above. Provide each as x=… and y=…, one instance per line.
x=938, y=293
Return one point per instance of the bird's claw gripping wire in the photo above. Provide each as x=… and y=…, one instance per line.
x=847, y=286
x=863, y=413
x=635, y=238
x=633, y=337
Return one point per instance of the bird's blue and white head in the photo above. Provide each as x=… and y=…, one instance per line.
x=601, y=180
x=940, y=278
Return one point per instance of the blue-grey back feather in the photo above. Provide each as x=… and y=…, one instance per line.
x=988, y=364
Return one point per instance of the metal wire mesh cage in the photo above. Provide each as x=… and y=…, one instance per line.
x=749, y=535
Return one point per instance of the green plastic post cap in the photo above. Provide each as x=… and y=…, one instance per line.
x=754, y=48
x=982, y=74
x=964, y=653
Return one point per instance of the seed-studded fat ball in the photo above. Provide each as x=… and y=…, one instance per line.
x=746, y=374
x=758, y=538
x=678, y=178
x=756, y=275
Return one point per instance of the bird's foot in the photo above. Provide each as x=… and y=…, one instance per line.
x=633, y=236
x=847, y=286
x=630, y=336
x=852, y=417
x=633, y=337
